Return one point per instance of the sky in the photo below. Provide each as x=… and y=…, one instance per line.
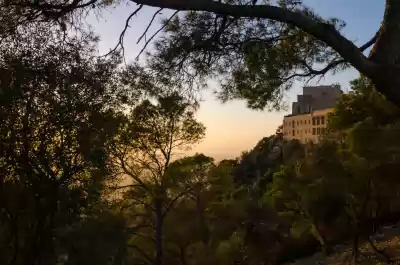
x=231, y=127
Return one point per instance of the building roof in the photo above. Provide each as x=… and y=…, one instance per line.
x=306, y=113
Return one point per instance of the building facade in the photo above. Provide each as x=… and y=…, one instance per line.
x=309, y=113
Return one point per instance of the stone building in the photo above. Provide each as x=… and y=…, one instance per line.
x=309, y=113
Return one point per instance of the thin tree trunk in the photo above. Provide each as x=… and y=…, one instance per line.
x=183, y=256
x=158, y=232
x=14, y=236
x=356, y=251
x=43, y=246
x=202, y=220
x=322, y=240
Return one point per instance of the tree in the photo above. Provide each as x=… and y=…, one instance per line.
x=364, y=102
x=308, y=195
x=364, y=123
x=147, y=145
x=100, y=237
x=257, y=47
x=59, y=116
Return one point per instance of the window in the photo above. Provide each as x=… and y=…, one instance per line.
x=293, y=132
x=323, y=120
x=292, y=124
x=309, y=121
x=313, y=121
x=318, y=131
x=317, y=119
x=297, y=123
x=313, y=131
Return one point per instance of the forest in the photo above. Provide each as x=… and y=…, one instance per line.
x=93, y=167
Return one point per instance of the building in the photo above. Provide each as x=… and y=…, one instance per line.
x=309, y=113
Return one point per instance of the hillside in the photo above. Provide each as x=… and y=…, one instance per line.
x=388, y=240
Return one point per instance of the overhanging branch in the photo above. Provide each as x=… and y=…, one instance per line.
x=312, y=73
x=322, y=31
x=122, y=35
x=55, y=10
x=149, y=25
x=325, y=32
x=155, y=34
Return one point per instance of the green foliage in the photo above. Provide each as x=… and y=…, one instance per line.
x=253, y=59
x=58, y=123
x=362, y=103
x=100, y=238
x=71, y=131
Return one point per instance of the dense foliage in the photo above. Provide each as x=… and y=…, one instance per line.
x=256, y=49
x=92, y=152
x=91, y=173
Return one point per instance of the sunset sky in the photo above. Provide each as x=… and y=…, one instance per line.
x=231, y=127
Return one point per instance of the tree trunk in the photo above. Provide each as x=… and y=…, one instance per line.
x=322, y=240
x=158, y=233
x=202, y=220
x=386, y=52
x=355, y=251
x=183, y=256
x=42, y=251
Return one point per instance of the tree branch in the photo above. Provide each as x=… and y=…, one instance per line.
x=129, y=173
x=323, y=71
x=149, y=25
x=126, y=186
x=56, y=10
x=147, y=257
x=369, y=43
x=122, y=35
x=155, y=34
x=312, y=73
x=322, y=31
x=174, y=200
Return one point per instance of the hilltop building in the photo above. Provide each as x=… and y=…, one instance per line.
x=309, y=113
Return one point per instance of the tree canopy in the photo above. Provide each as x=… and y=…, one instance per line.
x=256, y=48
x=93, y=166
